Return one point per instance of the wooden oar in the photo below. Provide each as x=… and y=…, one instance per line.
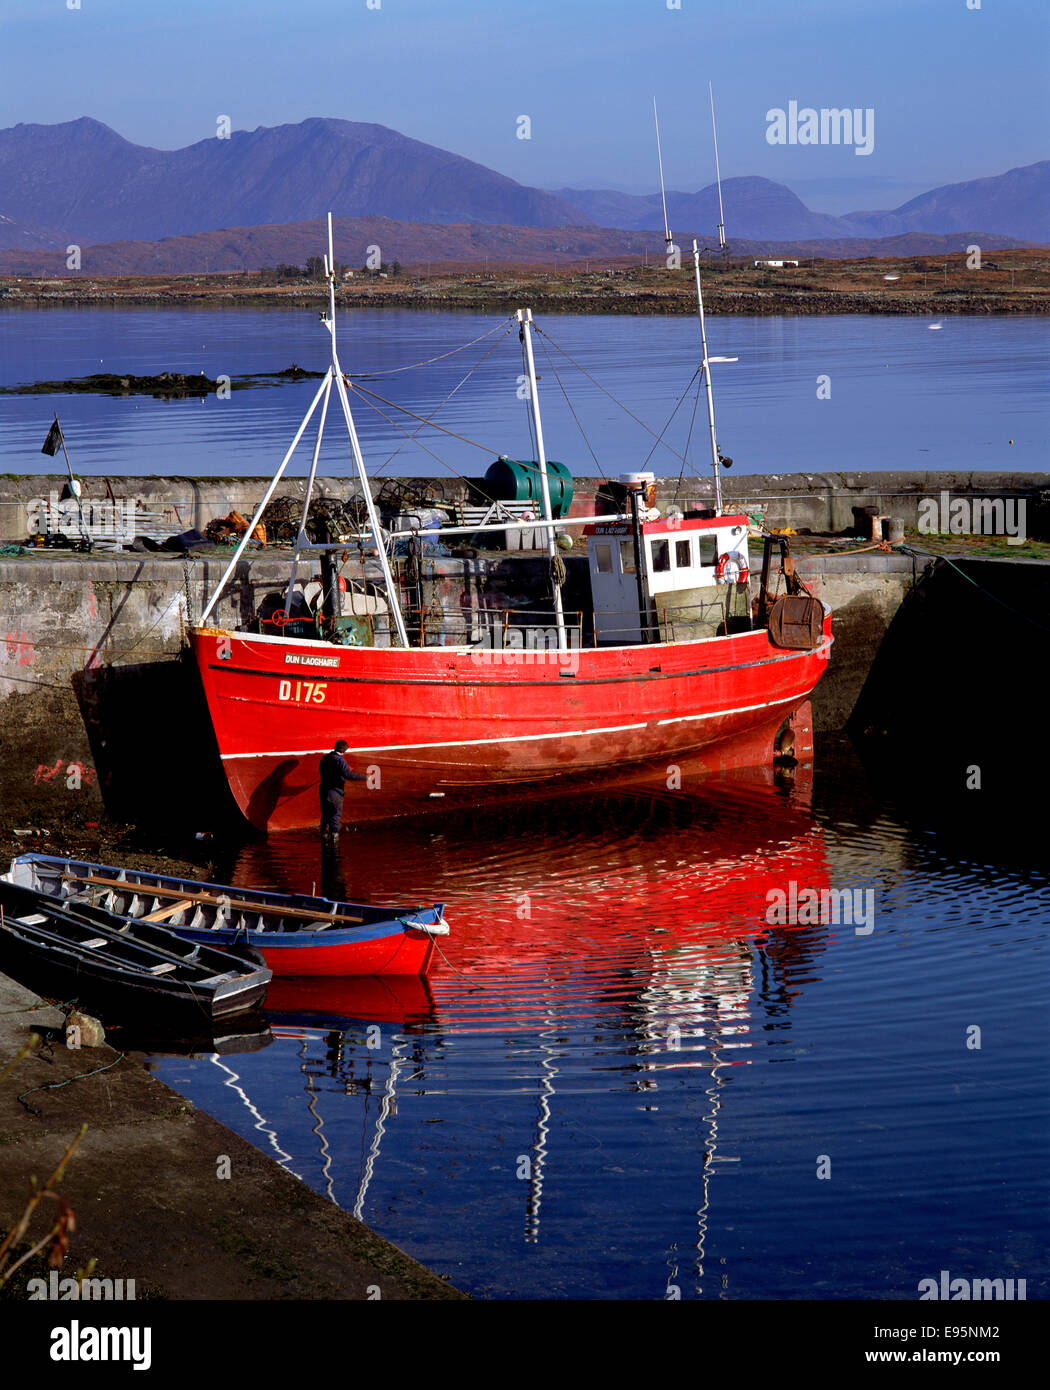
x=163, y=913
x=152, y=890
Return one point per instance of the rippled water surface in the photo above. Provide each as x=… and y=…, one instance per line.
x=968, y=396
x=625, y=1082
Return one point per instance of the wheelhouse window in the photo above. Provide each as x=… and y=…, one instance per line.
x=683, y=554
x=603, y=559
x=708, y=549
x=660, y=555
x=627, y=557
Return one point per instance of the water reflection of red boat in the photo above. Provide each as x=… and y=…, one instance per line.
x=404, y=1000
x=617, y=943
x=564, y=899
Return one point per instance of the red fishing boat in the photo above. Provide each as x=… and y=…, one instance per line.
x=677, y=652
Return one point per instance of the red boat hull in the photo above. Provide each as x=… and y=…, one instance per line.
x=435, y=727
x=407, y=953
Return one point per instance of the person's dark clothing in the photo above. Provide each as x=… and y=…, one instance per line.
x=335, y=773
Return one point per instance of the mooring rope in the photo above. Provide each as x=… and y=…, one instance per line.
x=1001, y=602
x=54, y=1085
x=455, y=971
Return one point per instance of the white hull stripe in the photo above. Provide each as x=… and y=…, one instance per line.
x=744, y=709
x=520, y=738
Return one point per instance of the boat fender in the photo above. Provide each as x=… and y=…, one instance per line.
x=732, y=568
x=251, y=955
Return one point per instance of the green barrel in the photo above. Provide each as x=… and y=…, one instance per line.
x=512, y=480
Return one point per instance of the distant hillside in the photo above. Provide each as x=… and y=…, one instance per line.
x=1015, y=204
x=413, y=243
x=755, y=209
x=92, y=185
x=251, y=248
x=14, y=233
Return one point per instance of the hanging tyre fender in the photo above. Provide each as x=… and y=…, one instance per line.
x=732, y=568
x=251, y=955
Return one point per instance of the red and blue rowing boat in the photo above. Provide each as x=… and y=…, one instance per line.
x=296, y=934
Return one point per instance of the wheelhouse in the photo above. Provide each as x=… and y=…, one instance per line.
x=678, y=578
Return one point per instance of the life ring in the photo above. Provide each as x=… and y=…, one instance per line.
x=731, y=561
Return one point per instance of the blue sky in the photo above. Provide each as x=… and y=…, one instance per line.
x=958, y=93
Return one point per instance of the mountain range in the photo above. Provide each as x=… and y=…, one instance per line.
x=80, y=182
x=1014, y=204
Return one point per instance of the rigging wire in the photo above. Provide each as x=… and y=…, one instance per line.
x=371, y=397
x=670, y=420
x=393, y=371
x=363, y=391
x=608, y=393
x=506, y=329
x=688, y=441
x=409, y=437
x=471, y=483
x=572, y=412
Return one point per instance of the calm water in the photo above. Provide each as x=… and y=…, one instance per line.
x=624, y=1080
x=902, y=396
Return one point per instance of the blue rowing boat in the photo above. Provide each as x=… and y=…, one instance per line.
x=295, y=934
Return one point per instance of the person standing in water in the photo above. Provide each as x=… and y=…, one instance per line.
x=335, y=773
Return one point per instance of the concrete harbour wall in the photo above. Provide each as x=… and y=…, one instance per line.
x=821, y=502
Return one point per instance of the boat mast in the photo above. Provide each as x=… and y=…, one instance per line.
x=525, y=333
x=302, y=539
x=334, y=373
x=393, y=598
x=672, y=250
x=715, y=456
x=322, y=390
x=706, y=364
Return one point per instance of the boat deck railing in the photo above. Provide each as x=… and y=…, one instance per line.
x=492, y=628
x=681, y=623
x=502, y=629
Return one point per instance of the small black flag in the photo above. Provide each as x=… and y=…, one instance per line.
x=54, y=440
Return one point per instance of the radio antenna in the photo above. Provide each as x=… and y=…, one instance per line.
x=718, y=178
x=660, y=161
